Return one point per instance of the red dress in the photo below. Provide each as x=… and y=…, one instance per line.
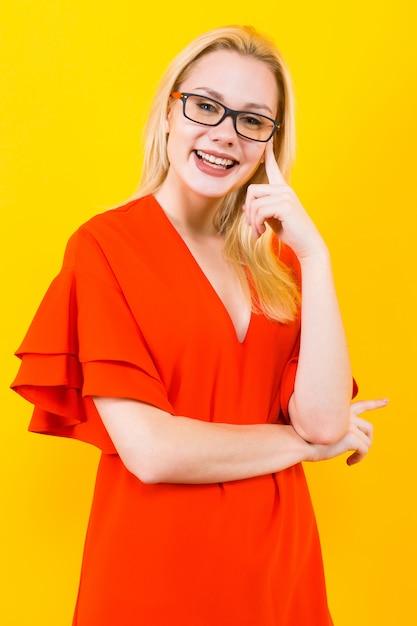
x=131, y=314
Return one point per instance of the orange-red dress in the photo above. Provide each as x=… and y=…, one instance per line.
x=132, y=315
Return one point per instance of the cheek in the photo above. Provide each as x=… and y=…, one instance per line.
x=262, y=153
x=257, y=172
x=173, y=117
x=258, y=158
x=255, y=153
x=178, y=127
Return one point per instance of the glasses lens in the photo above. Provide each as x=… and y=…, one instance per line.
x=209, y=112
x=203, y=110
x=254, y=126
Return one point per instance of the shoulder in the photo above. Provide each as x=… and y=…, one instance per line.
x=123, y=216
x=112, y=230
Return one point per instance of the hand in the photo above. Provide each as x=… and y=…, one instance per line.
x=277, y=204
x=358, y=437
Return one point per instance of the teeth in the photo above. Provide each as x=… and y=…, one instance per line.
x=216, y=161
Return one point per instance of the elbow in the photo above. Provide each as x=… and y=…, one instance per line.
x=149, y=473
x=326, y=437
x=149, y=468
x=323, y=436
x=325, y=430
x=151, y=479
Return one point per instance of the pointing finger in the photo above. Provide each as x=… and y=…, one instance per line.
x=271, y=166
x=367, y=405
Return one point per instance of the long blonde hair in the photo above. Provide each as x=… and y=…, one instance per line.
x=274, y=290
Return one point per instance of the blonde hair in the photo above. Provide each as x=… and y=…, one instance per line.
x=274, y=291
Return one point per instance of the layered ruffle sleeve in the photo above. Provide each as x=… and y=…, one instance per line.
x=84, y=342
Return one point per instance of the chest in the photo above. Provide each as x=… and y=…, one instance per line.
x=185, y=297
x=222, y=278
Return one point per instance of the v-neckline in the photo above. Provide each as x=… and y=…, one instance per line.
x=205, y=278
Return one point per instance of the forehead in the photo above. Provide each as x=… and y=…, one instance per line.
x=238, y=78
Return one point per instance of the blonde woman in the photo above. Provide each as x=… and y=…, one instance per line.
x=174, y=340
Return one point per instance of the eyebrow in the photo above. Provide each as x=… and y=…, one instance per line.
x=248, y=106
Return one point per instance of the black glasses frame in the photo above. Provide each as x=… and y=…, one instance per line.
x=180, y=95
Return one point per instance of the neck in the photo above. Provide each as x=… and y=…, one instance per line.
x=189, y=212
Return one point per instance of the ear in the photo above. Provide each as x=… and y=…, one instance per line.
x=167, y=126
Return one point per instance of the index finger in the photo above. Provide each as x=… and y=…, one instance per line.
x=360, y=406
x=271, y=166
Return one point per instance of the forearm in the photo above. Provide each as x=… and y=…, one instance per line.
x=201, y=452
x=157, y=447
x=319, y=408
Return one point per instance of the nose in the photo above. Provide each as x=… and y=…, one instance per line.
x=224, y=132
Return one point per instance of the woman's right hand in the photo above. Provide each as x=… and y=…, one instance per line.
x=358, y=437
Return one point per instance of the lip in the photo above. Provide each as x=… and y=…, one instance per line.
x=212, y=168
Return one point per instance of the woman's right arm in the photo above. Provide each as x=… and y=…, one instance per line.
x=160, y=448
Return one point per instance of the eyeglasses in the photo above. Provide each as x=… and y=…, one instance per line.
x=209, y=112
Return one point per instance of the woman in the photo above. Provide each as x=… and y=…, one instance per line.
x=171, y=340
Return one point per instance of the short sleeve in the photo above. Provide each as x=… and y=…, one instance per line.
x=84, y=341
x=287, y=387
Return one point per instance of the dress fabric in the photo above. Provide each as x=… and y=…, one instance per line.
x=131, y=314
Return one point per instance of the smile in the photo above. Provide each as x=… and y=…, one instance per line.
x=216, y=162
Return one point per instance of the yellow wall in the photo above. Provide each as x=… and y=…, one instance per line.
x=75, y=83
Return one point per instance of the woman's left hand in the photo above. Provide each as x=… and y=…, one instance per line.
x=277, y=204
x=358, y=438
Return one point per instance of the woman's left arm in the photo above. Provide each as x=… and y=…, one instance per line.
x=319, y=406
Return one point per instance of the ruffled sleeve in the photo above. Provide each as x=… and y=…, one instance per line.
x=84, y=342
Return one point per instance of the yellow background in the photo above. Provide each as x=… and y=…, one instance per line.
x=76, y=79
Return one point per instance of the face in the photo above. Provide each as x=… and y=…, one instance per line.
x=240, y=83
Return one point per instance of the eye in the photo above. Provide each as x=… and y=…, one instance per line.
x=206, y=106
x=252, y=121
